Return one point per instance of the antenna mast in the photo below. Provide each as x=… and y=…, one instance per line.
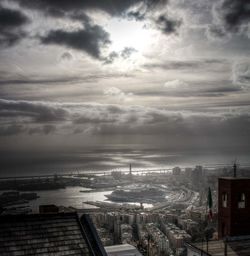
x=235, y=169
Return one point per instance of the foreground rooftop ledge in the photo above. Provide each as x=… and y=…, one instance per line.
x=57, y=234
x=235, y=246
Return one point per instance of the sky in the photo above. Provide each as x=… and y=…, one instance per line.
x=154, y=74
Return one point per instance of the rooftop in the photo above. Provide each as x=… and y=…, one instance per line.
x=217, y=248
x=44, y=234
x=122, y=249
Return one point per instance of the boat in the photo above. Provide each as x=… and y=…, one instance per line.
x=144, y=195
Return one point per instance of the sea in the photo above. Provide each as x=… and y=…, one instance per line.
x=14, y=164
x=72, y=196
x=101, y=161
x=68, y=197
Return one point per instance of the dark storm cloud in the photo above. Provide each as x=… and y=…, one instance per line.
x=111, y=57
x=212, y=125
x=91, y=39
x=114, y=119
x=222, y=90
x=230, y=16
x=66, y=56
x=11, y=23
x=17, y=129
x=136, y=15
x=10, y=78
x=112, y=7
x=127, y=51
x=42, y=81
x=235, y=13
x=172, y=93
x=124, y=54
x=167, y=124
x=194, y=89
x=167, y=25
x=241, y=74
x=36, y=111
x=212, y=64
x=10, y=18
x=10, y=130
x=236, y=106
x=128, y=116
x=46, y=129
x=217, y=33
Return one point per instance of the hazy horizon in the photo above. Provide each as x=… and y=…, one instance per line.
x=112, y=159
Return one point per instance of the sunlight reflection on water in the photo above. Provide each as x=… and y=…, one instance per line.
x=71, y=196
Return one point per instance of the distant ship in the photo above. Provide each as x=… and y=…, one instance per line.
x=143, y=195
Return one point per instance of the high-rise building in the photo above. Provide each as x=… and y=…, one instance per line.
x=176, y=170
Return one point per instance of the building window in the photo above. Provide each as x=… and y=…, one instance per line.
x=224, y=200
x=242, y=201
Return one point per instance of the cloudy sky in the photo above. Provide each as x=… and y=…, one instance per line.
x=128, y=73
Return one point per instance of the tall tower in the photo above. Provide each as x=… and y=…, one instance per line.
x=130, y=171
x=233, y=206
x=235, y=169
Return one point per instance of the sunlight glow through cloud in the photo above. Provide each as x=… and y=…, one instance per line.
x=128, y=33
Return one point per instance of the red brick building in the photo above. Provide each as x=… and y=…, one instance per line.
x=233, y=206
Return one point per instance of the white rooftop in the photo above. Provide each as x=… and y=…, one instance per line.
x=122, y=250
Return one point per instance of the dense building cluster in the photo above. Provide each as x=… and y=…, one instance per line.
x=160, y=233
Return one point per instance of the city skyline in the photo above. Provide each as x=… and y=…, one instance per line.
x=169, y=75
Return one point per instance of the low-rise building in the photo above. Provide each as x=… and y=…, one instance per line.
x=122, y=250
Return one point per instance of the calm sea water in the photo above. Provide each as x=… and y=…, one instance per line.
x=89, y=161
x=70, y=196
x=108, y=160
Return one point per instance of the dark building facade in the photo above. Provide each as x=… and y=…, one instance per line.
x=233, y=207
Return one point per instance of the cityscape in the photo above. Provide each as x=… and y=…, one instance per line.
x=153, y=212
x=124, y=128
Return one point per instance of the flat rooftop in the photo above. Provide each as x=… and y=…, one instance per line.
x=122, y=250
x=217, y=248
